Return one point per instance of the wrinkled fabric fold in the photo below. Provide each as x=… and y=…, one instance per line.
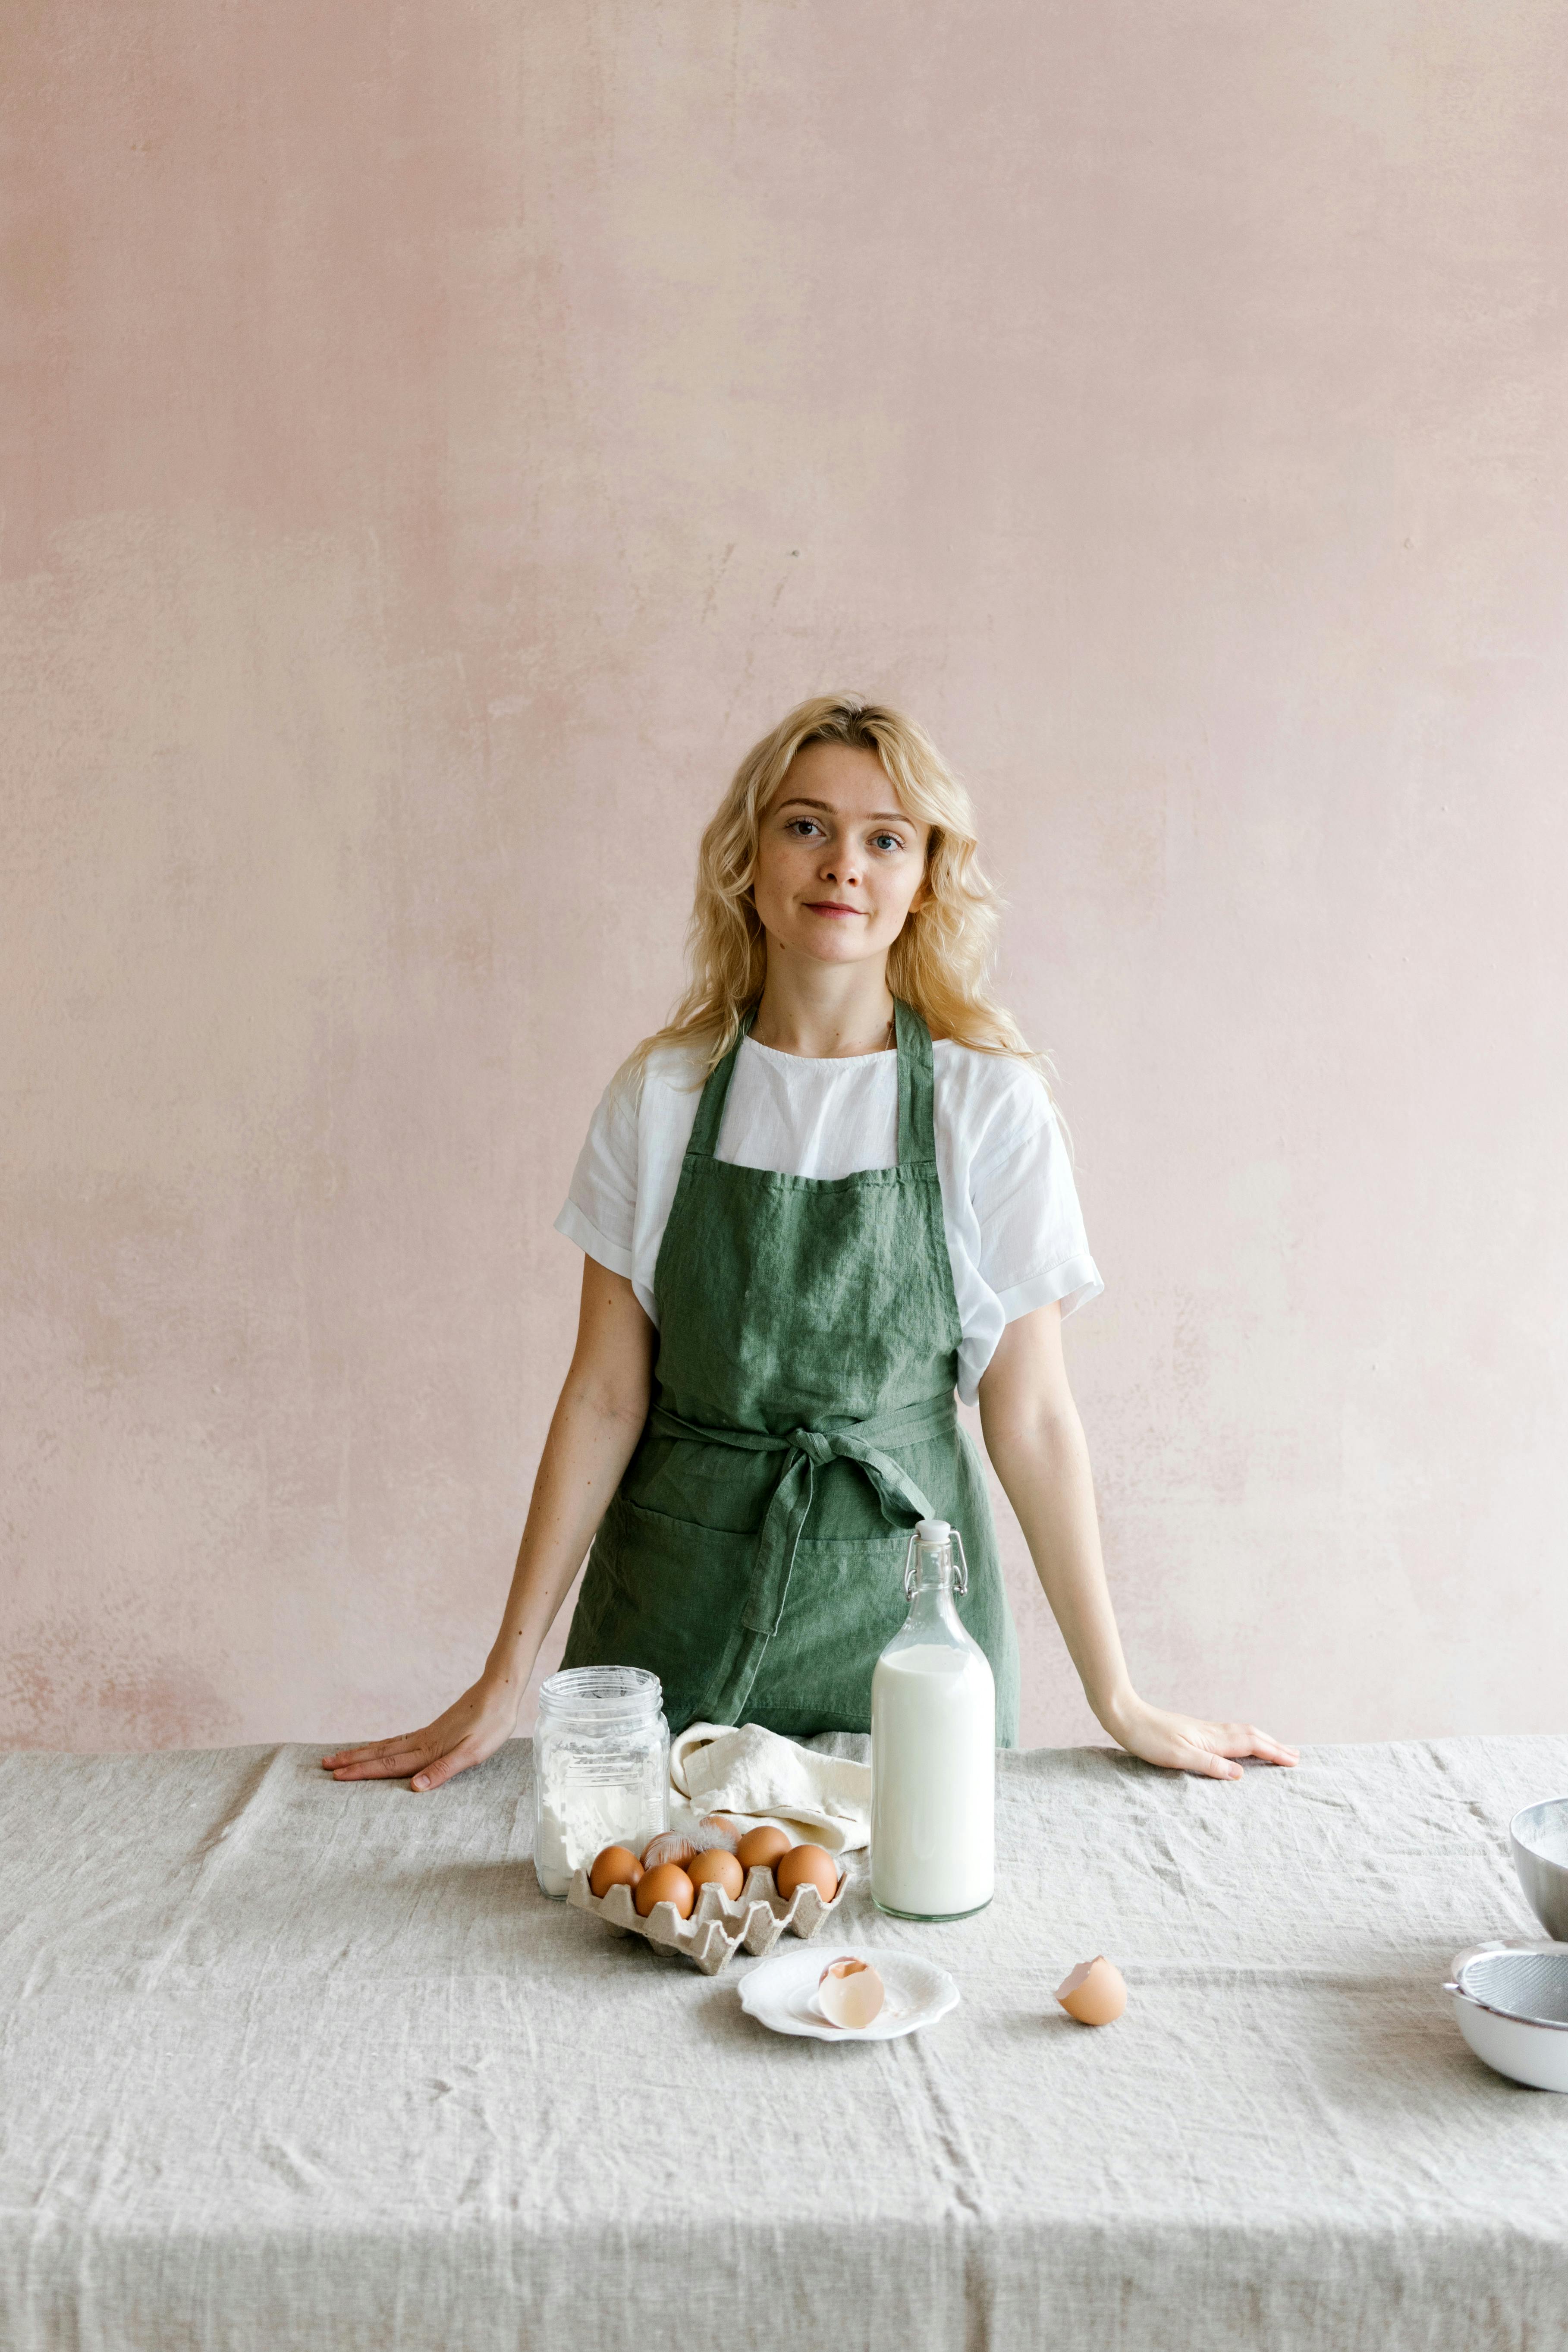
x=757, y=1780
x=300, y=2065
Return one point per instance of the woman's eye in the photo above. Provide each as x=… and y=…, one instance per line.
x=802, y=824
x=887, y=840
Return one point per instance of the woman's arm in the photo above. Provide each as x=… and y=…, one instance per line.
x=1035, y=1442
x=597, y=1421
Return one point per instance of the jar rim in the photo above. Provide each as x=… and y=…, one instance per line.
x=602, y=1694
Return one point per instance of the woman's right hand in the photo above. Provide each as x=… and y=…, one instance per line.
x=594, y=1431
x=473, y=1728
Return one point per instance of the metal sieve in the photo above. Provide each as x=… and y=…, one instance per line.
x=1531, y=1986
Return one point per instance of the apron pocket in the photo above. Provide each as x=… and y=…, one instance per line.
x=662, y=1593
x=846, y=1602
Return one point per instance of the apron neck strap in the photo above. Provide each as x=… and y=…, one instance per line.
x=711, y=1109
x=917, y=1116
x=917, y=1126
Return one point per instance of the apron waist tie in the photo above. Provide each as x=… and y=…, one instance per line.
x=808, y=1450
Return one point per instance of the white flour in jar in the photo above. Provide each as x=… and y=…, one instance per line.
x=578, y=1818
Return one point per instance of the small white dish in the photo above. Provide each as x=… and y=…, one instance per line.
x=782, y=1994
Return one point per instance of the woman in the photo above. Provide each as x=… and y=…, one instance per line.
x=830, y=1193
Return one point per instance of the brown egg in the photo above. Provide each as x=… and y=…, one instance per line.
x=1094, y=1992
x=681, y=1846
x=616, y=1866
x=717, y=1867
x=850, y=1992
x=759, y=1849
x=667, y=1884
x=806, y=1865
x=669, y=1845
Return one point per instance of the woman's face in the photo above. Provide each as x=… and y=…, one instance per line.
x=839, y=865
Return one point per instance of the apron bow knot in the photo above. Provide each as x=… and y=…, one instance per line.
x=812, y=1444
x=806, y=1452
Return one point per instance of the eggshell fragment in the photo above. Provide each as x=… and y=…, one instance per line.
x=615, y=1866
x=759, y=1849
x=806, y=1865
x=1093, y=1992
x=717, y=1867
x=849, y=1993
x=665, y=1883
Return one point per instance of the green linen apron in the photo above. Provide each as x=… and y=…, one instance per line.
x=803, y=1419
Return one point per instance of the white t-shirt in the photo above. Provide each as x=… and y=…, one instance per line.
x=1015, y=1229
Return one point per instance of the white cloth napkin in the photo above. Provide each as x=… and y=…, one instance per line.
x=755, y=1777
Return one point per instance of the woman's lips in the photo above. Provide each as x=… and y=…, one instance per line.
x=831, y=906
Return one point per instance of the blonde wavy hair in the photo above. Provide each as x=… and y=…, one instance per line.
x=941, y=958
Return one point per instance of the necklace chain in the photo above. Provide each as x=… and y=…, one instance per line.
x=889, y=1038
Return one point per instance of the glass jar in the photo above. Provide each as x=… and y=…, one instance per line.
x=933, y=1747
x=601, y=1769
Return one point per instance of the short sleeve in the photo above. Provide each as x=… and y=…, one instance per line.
x=600, y=1212
x=1033, y=1245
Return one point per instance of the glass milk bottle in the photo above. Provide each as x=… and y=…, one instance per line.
x=933, y=1747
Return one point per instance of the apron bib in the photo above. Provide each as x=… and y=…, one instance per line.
x=803, y=1419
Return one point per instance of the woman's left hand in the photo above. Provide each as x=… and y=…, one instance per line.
x=1186, y=1744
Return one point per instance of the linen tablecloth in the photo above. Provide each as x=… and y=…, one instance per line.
x=290, y=2065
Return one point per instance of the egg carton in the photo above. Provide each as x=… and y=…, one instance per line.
x=719, y=1923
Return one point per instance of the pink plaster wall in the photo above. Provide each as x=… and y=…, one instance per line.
x=439, y=438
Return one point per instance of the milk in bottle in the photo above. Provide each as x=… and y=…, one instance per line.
x=933, y=1747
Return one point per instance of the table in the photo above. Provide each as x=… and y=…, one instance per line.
x=290, y=2065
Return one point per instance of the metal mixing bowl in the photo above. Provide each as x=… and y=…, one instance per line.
x=1539, y=1836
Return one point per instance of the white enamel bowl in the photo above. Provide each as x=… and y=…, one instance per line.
x=1512, y=2003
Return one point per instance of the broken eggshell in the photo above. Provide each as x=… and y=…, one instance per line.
x=1093, y=1992
x=849, y=1993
